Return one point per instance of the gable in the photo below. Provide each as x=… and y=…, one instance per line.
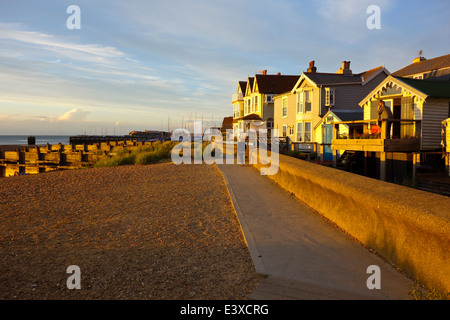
x=302, y=82
x=393, y=85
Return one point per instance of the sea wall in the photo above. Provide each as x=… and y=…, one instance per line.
x=408, y=227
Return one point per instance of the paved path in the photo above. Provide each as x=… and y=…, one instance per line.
x=304, y=256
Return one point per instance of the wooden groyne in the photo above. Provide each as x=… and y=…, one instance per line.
x=38, y=159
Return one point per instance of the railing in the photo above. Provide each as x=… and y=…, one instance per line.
x=380, y=129
x=237, y=97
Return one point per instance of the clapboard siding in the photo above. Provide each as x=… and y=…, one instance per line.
x=348, y=97
x=434, y=112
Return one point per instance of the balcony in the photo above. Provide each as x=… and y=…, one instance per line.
x=237, y=97
x=371, y=135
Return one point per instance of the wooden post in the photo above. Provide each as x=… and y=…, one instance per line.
x=335, y=136
x=383, y=166
x=366, y=153
x=447, y=163
x=414, y=166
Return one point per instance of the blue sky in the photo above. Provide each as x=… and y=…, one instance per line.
x=137, y=65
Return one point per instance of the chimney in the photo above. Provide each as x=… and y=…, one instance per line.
x=345, y=69
x=279, y=74
x=264, y=72
x=312, y=68
x=419, y=58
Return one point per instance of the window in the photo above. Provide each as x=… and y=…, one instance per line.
x=255, y=104
x=291, y=130
x=300, y=131
x=308, y=132
x=284, y=130
x=284, y=107
x=308, y=101
x=304, y=132
x=269, y=98
x=299, y=102
x=329, y=97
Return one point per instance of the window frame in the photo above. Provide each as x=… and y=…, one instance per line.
x=309, y=101
x=302, y=133
x=330, y=97
x=284, y=107
x=300, y=102
x=284, y=130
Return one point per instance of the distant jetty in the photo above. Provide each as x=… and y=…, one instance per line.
x=146, y=135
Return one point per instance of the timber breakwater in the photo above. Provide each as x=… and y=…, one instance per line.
x=38, y=159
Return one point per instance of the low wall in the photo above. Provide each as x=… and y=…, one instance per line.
x=408, y=227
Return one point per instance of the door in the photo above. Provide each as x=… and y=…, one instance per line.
x=327, y=134
x=397, y=114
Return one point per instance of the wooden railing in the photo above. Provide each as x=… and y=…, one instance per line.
x=378, y=129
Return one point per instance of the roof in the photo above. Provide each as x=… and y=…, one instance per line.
x=432, y=88
x=243, y=85
x=332, y=78
x=369, y=73
x=339, y=78
x=424, y=66
x=343, y=115
x=250, y=82
x=227, y=123
x=349, y=115
x=273, y=84
x=251, y=117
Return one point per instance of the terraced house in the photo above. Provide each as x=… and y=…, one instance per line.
x=299, y=113
x=257, y=100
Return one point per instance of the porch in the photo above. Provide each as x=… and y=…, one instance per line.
x=368, y=137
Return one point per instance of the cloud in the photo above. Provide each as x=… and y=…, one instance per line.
x=74, y=115
x=61, y=47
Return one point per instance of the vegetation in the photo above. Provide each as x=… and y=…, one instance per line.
x=419, y=292
x=146, y=154
x=141, y=155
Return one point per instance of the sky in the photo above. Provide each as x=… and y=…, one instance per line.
x=154, y=65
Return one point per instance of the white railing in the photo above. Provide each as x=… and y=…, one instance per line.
x=237, y=97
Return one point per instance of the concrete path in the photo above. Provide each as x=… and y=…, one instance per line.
x=303, y=255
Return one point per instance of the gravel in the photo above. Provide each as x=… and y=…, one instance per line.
x=156, y=232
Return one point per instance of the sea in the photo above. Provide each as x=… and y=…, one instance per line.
x=40, y=140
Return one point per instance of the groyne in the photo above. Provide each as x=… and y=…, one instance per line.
x=38, y=159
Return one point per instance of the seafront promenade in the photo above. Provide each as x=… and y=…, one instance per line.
x=303, y=255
